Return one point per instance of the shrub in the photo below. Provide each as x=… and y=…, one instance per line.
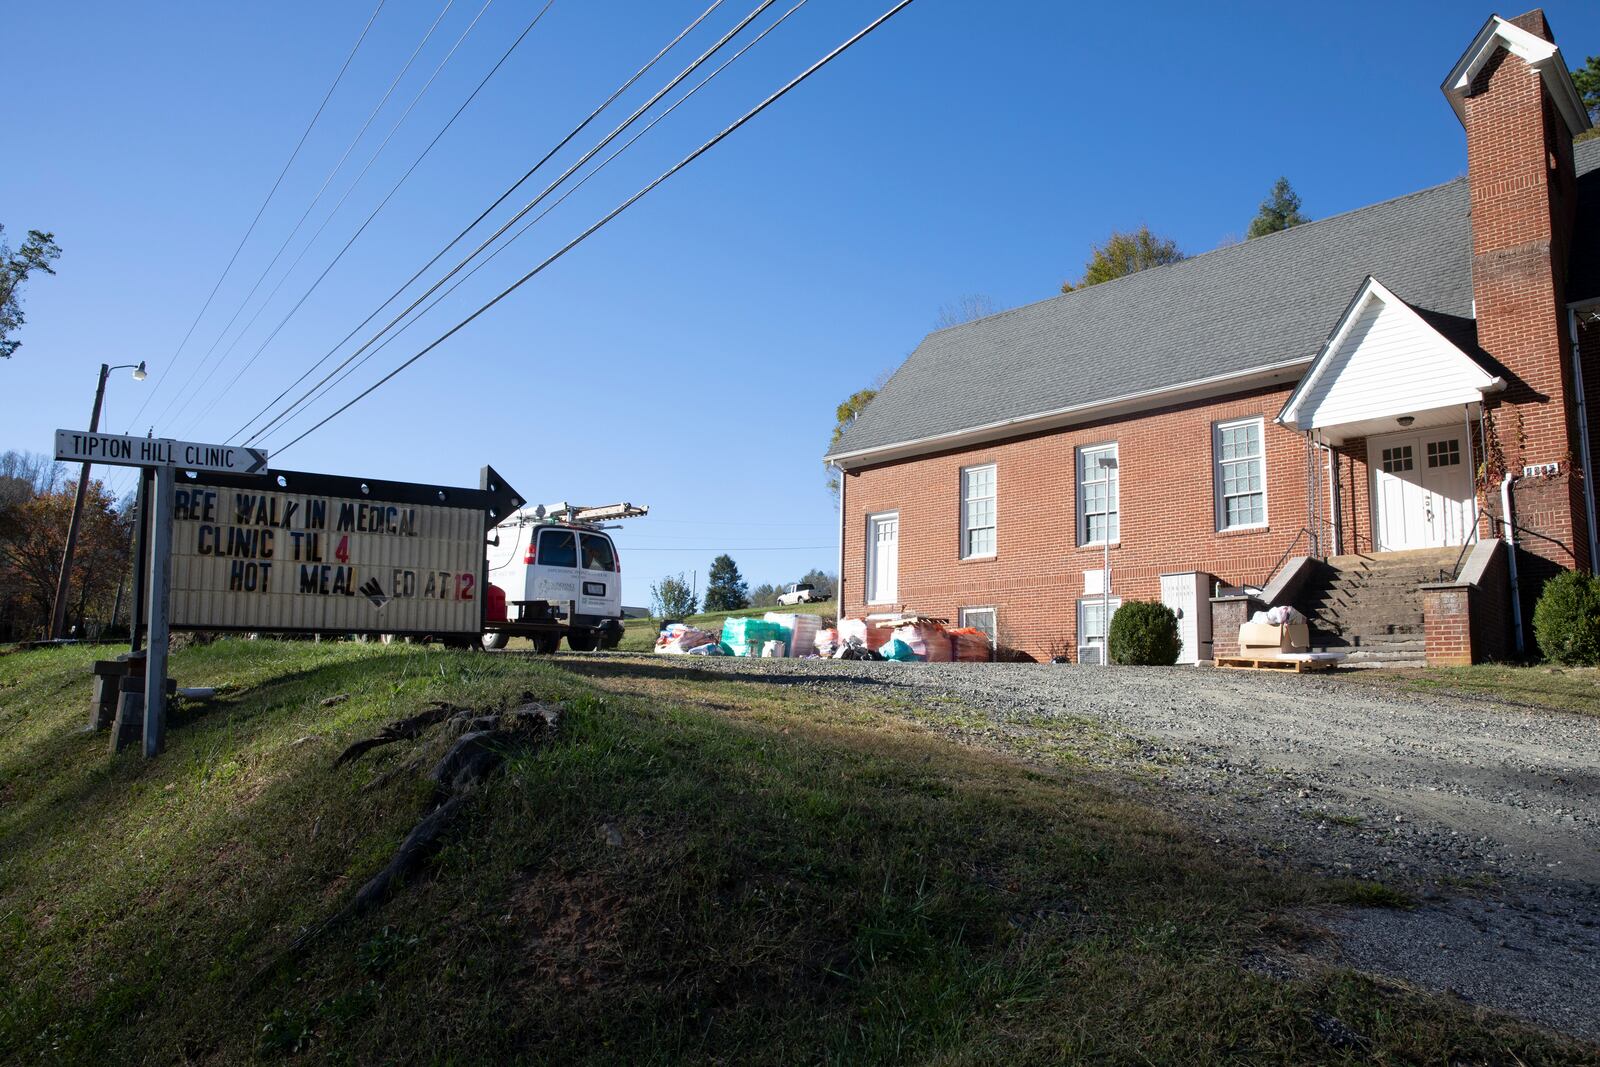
x=1567, y=619
x=1144, y=633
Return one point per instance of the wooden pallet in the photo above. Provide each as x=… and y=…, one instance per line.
x=1251, y=663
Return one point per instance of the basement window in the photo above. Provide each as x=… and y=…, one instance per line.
x=1092, y=613
x=980, y=619
x=977, y=511
x=1239, y=454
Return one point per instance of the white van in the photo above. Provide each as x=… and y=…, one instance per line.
x=547, y=578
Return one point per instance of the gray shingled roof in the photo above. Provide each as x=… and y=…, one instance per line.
x=1267, y=301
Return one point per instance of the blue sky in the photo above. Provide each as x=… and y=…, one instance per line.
x=690, y=355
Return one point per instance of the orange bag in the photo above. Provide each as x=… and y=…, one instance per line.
x=970, y=645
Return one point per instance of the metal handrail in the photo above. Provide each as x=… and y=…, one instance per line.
x=1454, y=573
x=1304, y=532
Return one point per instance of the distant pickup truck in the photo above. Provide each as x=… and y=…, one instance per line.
x=801, y=593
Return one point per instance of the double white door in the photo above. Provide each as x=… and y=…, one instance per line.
x=1421, y=489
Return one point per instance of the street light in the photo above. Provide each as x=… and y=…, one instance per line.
x=58, y=618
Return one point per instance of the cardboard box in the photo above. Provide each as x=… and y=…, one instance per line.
x=1263, y=638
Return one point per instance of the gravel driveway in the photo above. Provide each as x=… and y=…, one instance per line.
x=1489, y=813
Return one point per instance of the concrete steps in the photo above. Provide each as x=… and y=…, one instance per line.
x=1369, y=607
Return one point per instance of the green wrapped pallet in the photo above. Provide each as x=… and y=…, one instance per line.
x=745, y=636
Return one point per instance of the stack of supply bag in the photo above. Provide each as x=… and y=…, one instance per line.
x=880, y=628
x=802, y=631
x=745, y=637
x=896, y=649
x=927, y=641
x=679, y=638
x=969, y=645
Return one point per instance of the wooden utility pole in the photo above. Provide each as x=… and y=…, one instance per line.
x=58, y=618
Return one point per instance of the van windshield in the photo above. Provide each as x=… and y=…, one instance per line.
x=598, y=554
x=557, y=548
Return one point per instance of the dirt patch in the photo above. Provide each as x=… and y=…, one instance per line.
x=574, y=922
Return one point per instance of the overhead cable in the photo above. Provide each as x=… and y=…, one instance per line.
x=326, y=386
x=346, y=196
x=178, y=352
x=618, y=210
x=579, y=128
x=315, y=199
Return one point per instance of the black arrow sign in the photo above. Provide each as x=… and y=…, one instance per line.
x=258, y=461
x=503, y=499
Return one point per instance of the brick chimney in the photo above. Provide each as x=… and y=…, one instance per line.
x=1512, y=92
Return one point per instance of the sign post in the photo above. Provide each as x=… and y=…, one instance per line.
x=159, y=458
x=155, y=679
x=225, y=549
x=141, y=570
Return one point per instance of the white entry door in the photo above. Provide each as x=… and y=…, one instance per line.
x=883, y=558
x=1421, y=489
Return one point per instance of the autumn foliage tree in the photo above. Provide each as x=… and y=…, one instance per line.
x=844, y=415
x=35, y=505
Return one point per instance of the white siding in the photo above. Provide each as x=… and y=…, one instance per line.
x=1389, y=363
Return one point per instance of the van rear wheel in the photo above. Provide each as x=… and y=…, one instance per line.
x=582, y=640
x=495, y=640
x=547, y=644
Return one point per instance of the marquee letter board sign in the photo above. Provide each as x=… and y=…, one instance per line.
x=316, y=553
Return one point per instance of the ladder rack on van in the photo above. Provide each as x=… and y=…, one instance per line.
x=581, y=514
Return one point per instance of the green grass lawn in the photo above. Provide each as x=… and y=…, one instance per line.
x=1566, y=688
x=793, y=877
x=639, y=635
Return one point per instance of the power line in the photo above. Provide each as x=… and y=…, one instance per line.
x=295, y=230
x=177, y=352
x=352, y=188
x=624, y=206
x=530, y=205
x=346, y=370
x=732, y=522
x=579, y=128
x=747, y=548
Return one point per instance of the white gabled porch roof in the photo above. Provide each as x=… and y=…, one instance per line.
x=1384, y=362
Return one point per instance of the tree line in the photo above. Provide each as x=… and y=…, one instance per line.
x=675, y=597
x=35, y=504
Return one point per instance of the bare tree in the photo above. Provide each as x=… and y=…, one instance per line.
x=965, y=309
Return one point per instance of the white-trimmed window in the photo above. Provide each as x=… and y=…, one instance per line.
x=1239, y=451
x=981, y=619
x=1092, y=618
x=977, y=511
x=1099, y=517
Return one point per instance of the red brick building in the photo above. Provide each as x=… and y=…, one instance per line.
x=1355, y=387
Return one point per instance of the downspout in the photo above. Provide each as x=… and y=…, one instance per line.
x=838, y=582
x=1335, y=507
x=1583, y=442
x=1511, y=541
